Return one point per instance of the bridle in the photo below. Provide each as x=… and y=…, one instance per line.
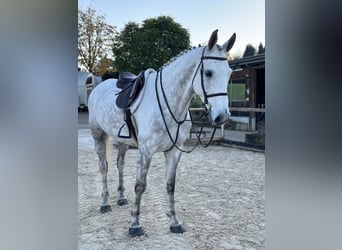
x=206, y=97
x=200, y=65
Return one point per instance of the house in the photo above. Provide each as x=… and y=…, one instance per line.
x=246, y=91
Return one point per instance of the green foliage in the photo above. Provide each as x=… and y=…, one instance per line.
x=196, y=102
x=249, y=51
x=149, y=46
x=261, y=49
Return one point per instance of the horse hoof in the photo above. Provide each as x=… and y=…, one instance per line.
x=105, y=209
x=135, y=231
x=178, y=229
x=122, y=202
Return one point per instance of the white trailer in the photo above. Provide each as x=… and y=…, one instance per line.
x=86, y=83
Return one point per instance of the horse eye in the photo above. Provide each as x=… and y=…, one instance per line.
x=208, y=73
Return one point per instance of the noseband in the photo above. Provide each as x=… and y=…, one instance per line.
x=200, y=65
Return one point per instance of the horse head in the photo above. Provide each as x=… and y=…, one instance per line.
x=211, y=79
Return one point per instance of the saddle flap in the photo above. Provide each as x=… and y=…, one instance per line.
x=123, y=98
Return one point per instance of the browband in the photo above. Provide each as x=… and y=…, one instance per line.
x=214, y=58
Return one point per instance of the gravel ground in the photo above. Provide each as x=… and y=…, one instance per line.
x=219, y=199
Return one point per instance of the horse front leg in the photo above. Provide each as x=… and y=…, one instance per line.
x=143, y=164
x=172, y=158
x=120, y=165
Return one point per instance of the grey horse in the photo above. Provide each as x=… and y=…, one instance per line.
x=160, y=118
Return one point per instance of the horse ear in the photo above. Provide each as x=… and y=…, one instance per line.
x=212, y=39
x=229, y=44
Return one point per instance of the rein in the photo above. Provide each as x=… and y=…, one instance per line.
x=179, y=123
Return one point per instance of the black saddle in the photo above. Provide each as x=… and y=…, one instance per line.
x=131, y=86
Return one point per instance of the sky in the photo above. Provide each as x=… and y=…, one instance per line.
x=246, y=18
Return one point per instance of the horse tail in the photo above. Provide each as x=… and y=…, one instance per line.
x=108, y=149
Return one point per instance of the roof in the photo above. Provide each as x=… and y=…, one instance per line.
x=248, y=61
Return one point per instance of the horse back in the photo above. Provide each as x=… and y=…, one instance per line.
x=102, y=101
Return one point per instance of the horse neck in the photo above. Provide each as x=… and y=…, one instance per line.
x=177, y=83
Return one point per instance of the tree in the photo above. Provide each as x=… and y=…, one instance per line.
x=149, y=46
x=95, y=38
x=125, y=48
x=261, y=49
x=249, y=51
x=104, y=66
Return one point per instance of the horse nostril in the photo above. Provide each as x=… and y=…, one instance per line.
x=218, y=119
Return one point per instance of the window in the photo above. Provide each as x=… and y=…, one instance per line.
x=89, y=80
x=237, y=91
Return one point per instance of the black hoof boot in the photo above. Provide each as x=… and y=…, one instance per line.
x=178, y=229
x=122, y=202
x=105, y=209
x=135, y=231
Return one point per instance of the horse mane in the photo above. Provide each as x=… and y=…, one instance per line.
x=183, y=52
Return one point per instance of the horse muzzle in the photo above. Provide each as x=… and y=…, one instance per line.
x=219, y=118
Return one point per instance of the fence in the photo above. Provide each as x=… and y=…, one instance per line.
x=248, y=137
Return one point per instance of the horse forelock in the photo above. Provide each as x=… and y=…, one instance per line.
x=217, y=50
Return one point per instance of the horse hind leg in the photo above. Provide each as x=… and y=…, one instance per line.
x=120, y=165
x=100, y=146
x=171, y=161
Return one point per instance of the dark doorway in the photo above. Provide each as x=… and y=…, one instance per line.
x=260, y=88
